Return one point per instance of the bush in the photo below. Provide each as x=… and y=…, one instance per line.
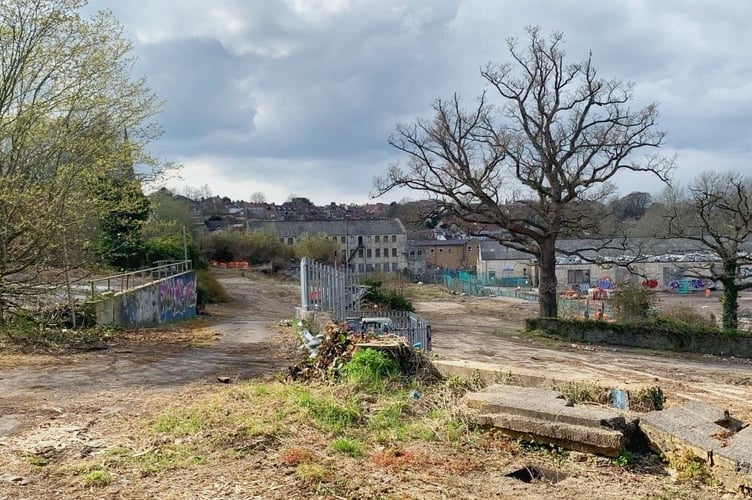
x=208, y=290
x=687, y=315
x=392, y=299
x=633, y=302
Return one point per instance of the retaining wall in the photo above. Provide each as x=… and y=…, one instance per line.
x=164, y=301
x=647, y=336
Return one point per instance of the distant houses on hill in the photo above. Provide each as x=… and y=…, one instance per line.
x=368, y=241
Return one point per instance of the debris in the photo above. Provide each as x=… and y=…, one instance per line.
x=224, y=380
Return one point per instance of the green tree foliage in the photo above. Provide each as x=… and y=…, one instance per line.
x=66, y=99
x=123, y=213
x=534, y=164
x=318, y=247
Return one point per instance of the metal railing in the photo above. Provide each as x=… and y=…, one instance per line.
x=127, y=281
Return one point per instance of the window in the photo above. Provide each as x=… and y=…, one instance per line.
x=578, y=276
x=394, y=252
x=368, y=253
x=431, y=250
x=492, y=275
x=441, y=250
x=377, y=267
x=282, y=240
x=469, y=248
x=386, y=252
x=361, y=268
x=394, y=238
x=360, y=253
x=378, y=252
x=412, y=253
x=376, y=239
x=368, y=238
x=289, y=241
x=394, y=267
x=342, y=240
x=420, y=252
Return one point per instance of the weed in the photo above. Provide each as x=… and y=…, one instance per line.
x=371, y=370
x=296, y=456
x=97, y=478
x=634, y=302
x=690, y=467
x=348, y=446
x=625, y=460
x=313, y=473
x=647, y=399
x=584, y=392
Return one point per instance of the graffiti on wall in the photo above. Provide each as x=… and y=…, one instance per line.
x=686, y=285
x=177, y=298
x=745, y=272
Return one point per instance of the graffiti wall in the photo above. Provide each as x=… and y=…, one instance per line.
x=177, y=298
x=164, y=301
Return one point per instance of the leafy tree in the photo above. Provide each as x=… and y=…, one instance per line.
x=632, y=206
x=318, y=247
x=66, y=98
x=124, y=211
x=559, y=136
x=715, y=211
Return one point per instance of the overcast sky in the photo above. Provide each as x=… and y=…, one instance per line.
x=299, y=97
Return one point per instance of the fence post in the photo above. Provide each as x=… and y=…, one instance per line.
x=304, y=283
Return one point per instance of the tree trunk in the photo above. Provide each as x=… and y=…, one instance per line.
x=730, y=299
x=547, y=296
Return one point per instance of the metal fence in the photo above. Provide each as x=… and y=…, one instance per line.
x=133, y=279
x=324, y=288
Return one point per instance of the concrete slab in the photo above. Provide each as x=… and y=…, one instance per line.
x=712, y=434
x=489, y=373
x=544, y=415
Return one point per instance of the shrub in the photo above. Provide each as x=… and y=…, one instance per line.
x=634, y=302
x=208, y=290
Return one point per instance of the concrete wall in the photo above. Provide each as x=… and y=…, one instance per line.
x=164, y=301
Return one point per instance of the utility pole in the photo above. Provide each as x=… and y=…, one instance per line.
x=185, y=245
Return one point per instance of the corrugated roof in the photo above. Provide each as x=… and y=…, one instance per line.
x=293, y=229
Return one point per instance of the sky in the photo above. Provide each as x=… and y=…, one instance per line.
x=299, y=97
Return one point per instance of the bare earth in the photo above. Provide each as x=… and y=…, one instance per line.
x=90, y=397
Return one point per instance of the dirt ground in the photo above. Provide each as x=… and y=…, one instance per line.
x=90, y=397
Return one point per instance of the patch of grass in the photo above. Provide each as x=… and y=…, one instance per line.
x=328, y=415
x=180, y=422
x=584, y=392
x=98, y=478
x=348, y=446
x=165, y=458
x=370, y=370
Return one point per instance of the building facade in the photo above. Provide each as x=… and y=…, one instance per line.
x=364, y=245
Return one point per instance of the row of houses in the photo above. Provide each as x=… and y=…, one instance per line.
x=381, y=245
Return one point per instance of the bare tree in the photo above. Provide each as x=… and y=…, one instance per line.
x=529, y=165
x=716, y=212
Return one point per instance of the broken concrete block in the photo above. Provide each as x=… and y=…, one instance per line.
x=545, y=416
x=713, y=435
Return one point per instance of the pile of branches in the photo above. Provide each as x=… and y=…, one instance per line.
x=335, y=351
